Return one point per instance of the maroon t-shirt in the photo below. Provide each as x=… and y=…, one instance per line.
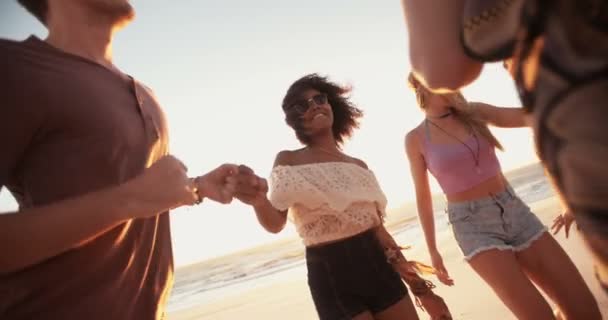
x=69, y=126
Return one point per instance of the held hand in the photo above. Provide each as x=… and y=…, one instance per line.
x=163, y=186
x=442, y=272
x=218, y=184
x=435, y=306
x=250, y=189
x=563, y=220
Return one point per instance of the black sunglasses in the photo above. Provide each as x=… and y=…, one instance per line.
x=302, y=106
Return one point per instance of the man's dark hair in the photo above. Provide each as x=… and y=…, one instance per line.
x=346, y=115
x=38, y=8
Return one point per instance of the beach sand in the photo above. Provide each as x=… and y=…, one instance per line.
x=470, y=298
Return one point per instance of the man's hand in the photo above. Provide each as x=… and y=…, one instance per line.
x=250, y=189
x=563, y=220
x=219, y=184
x=162, y=187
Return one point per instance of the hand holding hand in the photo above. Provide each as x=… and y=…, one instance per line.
x=250, y=189
x=218, y=184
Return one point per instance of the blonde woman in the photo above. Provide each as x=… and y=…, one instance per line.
x=560, y=54
x=501, y=239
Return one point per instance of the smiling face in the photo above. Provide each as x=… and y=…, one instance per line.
x=317, y=113
x=315, y=107
x=311, y=115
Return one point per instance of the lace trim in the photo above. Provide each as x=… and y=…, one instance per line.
x=334, y=184
x=325, y=224
x=328, y=200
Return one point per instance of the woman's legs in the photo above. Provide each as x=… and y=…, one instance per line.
x=546, y=263
x=402, y=310
x=501, y=270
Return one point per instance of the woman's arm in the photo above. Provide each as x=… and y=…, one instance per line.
x=271, y=219
x=254, y=193
x=424, y=203
x=423, y=192
x=436, y=54
x=501, y=117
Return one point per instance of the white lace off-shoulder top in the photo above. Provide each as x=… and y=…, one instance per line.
x=328, y=201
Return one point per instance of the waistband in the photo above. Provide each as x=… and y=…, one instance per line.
x=342, y=244
x=492, y=198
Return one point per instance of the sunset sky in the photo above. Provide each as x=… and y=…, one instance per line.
x=220, y=69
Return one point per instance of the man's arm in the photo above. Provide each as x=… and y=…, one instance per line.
x=33, y=235
x=436, y=54
x=500, y=116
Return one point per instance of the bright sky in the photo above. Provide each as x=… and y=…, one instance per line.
x=220, y=69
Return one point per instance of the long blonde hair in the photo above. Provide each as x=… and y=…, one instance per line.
x=468, y=117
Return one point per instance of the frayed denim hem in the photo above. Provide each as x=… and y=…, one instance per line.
x=470, y=256
x=528, y=243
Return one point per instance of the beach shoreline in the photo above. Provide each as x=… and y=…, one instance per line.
x=269, y=281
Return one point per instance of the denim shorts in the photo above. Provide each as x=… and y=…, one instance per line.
x=501, y=221
x=352, y=276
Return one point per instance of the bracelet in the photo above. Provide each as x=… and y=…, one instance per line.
x=199, y=198
x=421, y=287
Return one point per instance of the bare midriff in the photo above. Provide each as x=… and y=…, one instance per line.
x=493, y=185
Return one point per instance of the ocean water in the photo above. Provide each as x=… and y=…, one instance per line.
x=211, y=281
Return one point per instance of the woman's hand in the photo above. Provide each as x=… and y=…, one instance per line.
x=441, y=271
x=250, y=188
x=563, y=220
x=434, y=306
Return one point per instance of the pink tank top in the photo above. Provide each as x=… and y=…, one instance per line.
x=453, y=165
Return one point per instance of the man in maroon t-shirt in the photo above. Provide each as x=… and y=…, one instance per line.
x=83, y=148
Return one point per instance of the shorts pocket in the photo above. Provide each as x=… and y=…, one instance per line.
x=459, y=215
